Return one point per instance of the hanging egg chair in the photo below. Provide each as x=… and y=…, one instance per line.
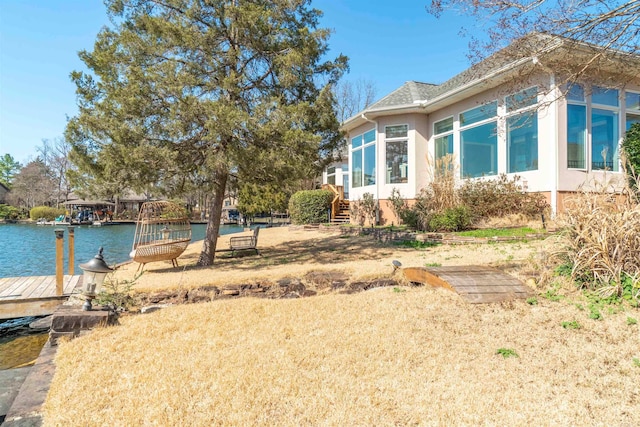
x=163, y=232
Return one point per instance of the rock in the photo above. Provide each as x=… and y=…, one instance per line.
x=290, y=295
x=152, y=308
x=44, y=323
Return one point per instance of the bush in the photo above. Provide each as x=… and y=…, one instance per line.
x=453, y=219
x=310, y=206
x=45, y=212
x=600, y=242
x=9, y=212
x=500, y=197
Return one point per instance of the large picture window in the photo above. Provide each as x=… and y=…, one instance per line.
x=522, y=130
x=397, y=154
x=479, y=143
x=602, y=137
x=522, y=142
x=363, y=159
x=479, y=151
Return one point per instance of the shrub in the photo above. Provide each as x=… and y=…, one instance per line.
x=600, y=242
x=45, y=212
x=364, y=209
x=500, y=197
x=9, y=212
x=453, y=219
x=310, y=206
x=630, y=150
x=398, y=205
x=369, y=207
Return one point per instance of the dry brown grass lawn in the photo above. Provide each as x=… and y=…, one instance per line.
x=292, y=253
x=387, y=356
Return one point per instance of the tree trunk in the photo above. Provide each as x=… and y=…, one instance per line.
x=215, y=213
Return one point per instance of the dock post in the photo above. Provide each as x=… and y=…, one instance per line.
x=71, y=251
x=59, y=261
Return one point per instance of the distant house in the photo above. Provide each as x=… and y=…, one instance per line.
x=510, y=114
x=3, y=192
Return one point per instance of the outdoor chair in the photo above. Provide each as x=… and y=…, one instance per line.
x=245, y=242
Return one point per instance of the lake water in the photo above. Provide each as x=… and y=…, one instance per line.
x=30, y=250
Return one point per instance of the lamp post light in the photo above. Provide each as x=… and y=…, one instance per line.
x=95, y=271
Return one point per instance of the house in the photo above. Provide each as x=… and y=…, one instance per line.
x=514, y=113
x=3, y=193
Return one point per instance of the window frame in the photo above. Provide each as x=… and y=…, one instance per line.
x=587, y=138
x=362, y=145
x=462, y=128
x=616, y=110
x=404, y=139
x=444, y=134
x=516, y=114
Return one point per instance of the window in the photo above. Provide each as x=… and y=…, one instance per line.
x=363, y=159
x=604, y=96
x=576, y=136
x=443, y=137
x=479, y=143
x=479, y=114
x=522, y=142
x=605, y=135
x=522, y=131
x=479, y=151
x=632, y=102
x=397, y=154
x=604, y=140
x=523, y=99
x=603, y=108
x=331, y=175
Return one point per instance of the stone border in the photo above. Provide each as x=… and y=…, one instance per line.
x=387, y=235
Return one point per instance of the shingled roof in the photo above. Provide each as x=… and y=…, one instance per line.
x=412, y=94
x=407, y=94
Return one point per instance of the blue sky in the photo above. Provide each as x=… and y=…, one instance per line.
x=387, y=42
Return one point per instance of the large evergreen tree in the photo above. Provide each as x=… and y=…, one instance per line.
x=9, y=167
x=179, y=88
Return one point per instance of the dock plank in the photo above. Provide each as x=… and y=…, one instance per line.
x=44, y=282
x=36, y=281
x=15, y=286
x=33, y=295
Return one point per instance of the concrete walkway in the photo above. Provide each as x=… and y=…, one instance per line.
x=28, y=388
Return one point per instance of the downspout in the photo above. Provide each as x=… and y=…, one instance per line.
x=377, y=195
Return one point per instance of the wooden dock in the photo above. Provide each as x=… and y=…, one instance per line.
x=34, y=295
x=475, y=284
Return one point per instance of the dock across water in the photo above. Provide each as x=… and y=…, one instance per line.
x=33, y=295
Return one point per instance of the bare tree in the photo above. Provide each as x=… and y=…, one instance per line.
x=353, y=97
x=600, y=30
x=55, y=156
x=31, y=186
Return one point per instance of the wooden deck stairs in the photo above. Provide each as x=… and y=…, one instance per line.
x=340, y=212
x=343, y=216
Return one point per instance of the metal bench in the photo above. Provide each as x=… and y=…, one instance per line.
x=245, y=242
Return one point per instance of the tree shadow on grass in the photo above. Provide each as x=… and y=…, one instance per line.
x=328, y=250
